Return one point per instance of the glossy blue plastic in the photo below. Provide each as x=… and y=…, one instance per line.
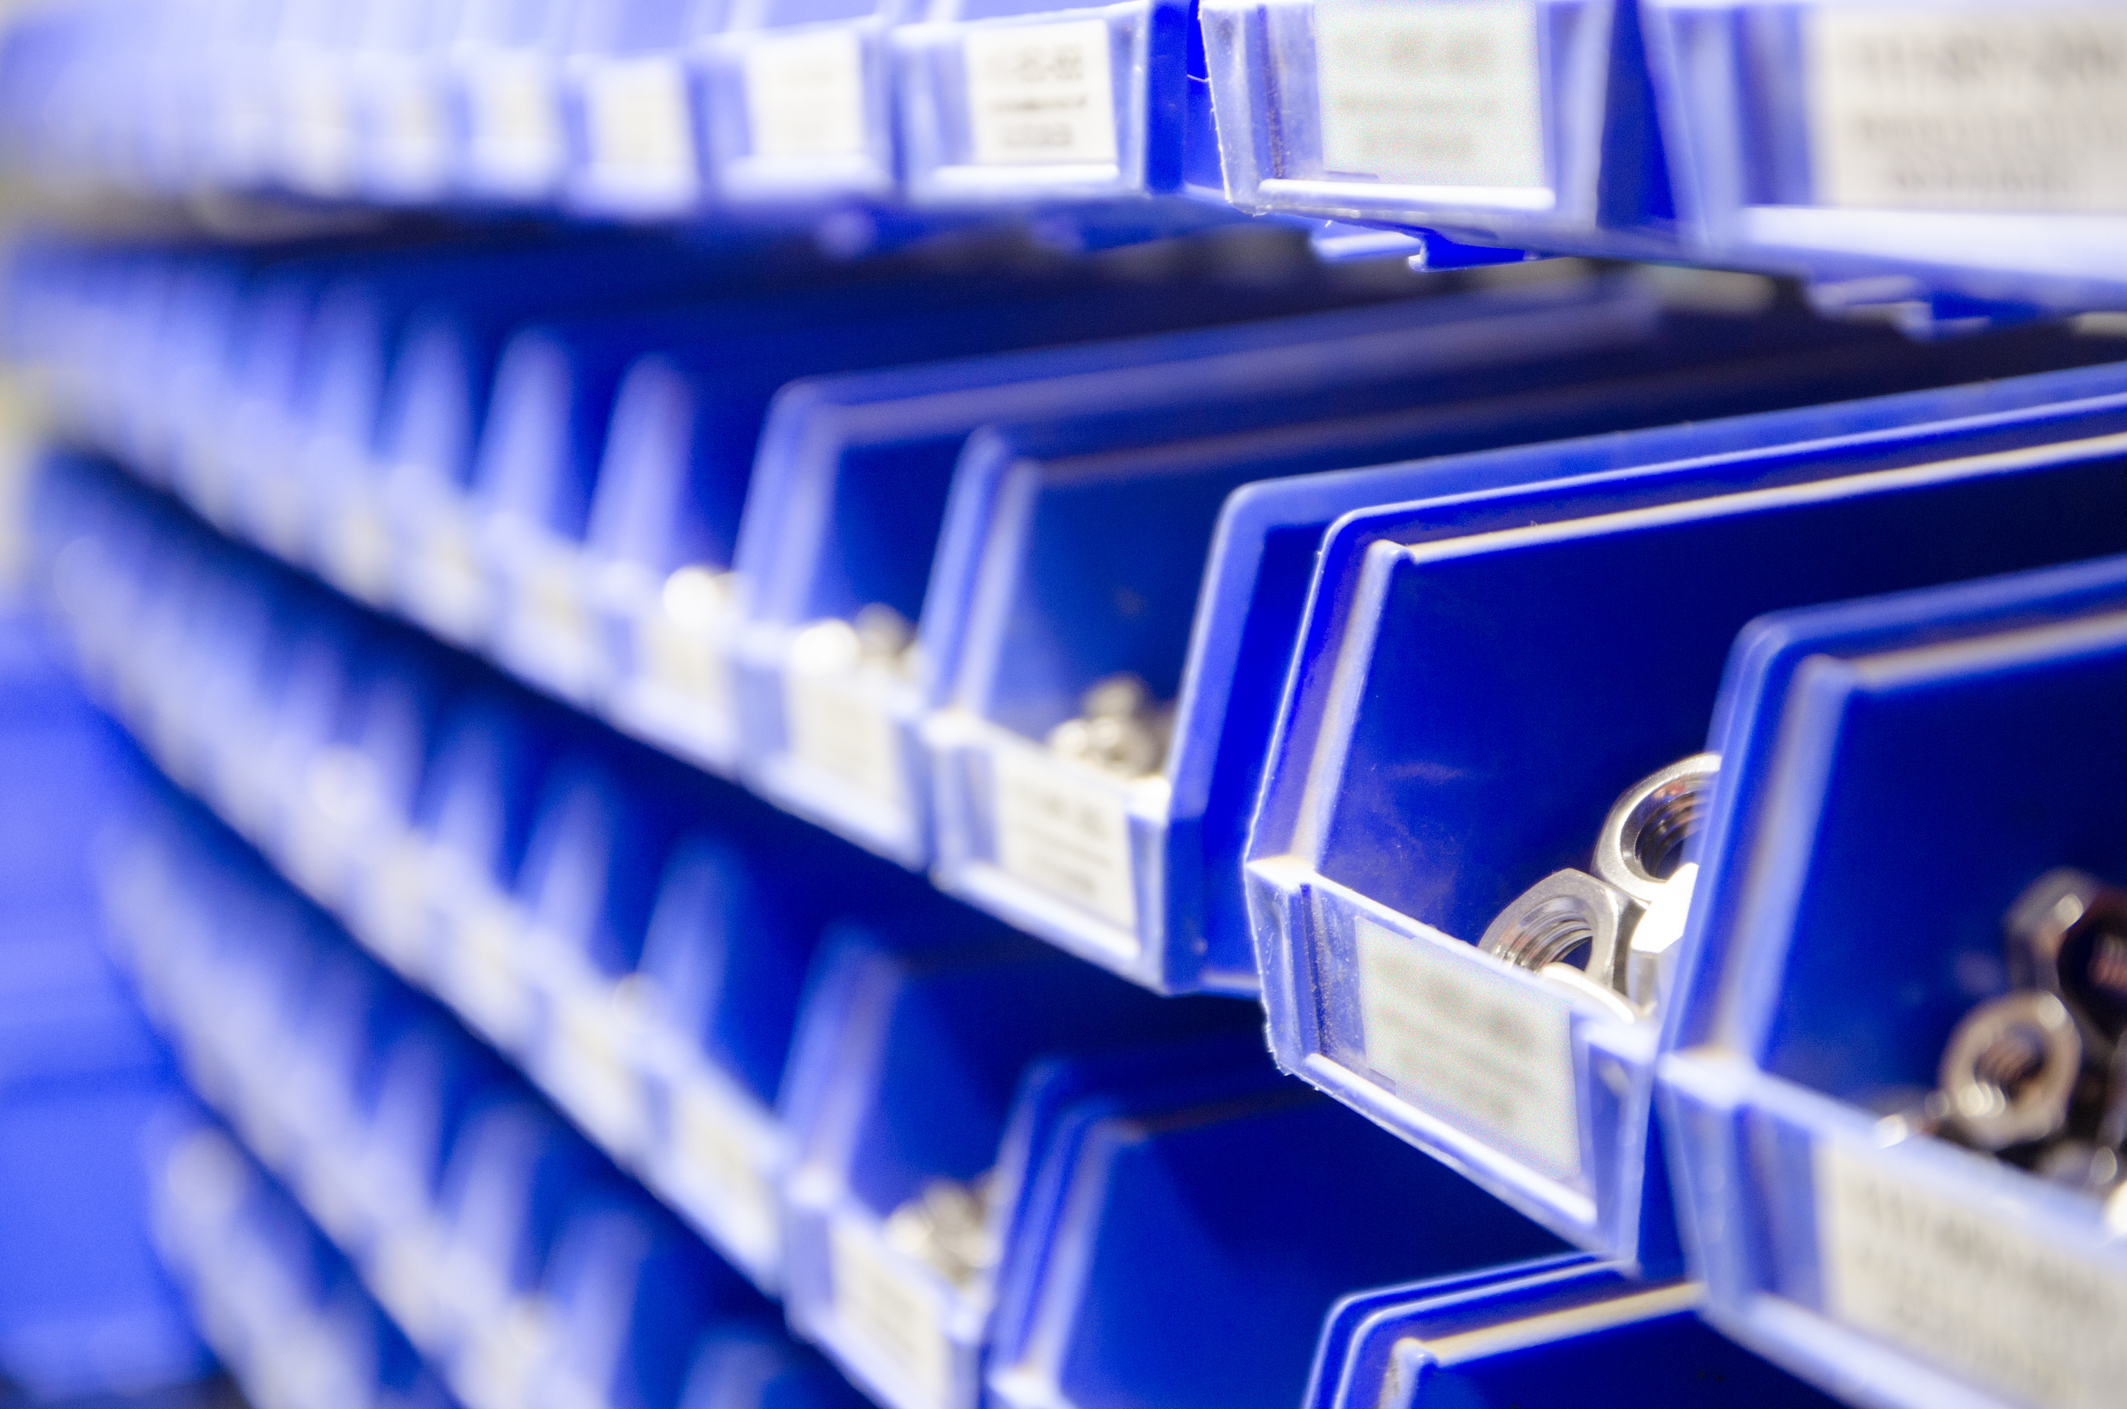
x=1118, y=543
x=1353, y=843
x=853, y=487
x=1556, y=1333
x=901, y=1077
x=84, y=1309
x=1826, y=722
x=751, y=1367
x=1184, y=1239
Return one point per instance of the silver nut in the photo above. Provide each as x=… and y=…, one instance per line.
x=1566, y=914
x=947, y=1226
x=2010, y=1070
x=2067, y=935
x=1651, y=962
x=1642, y=841
x=1120, y=730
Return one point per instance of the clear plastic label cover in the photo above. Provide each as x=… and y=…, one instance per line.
x=1041, y=93
x=1431, y=92
x=2009, y=109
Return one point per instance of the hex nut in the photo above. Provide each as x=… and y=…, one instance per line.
x=2067, y=935
x=2010, y=1070
x=1563, y=913
x=1642, y=839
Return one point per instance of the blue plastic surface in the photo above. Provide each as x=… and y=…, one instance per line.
x=1177, y=545
x=1352, y=839
x=1831, y=716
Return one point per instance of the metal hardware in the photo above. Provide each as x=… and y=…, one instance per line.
x=1624, y=923
x=2010, y=1070
x=1120, y=728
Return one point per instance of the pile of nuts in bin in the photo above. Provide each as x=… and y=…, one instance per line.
x=2038, y=1076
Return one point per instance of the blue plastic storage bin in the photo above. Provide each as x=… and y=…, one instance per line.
x=504, y=68
x=1026, y=103
x=1500, y=122
x=1179, y=1234
x=1557, y=1332
x=796, y=103
x=1364, y=929
x=1175, y=548
x=635, y=144
x=1880, y=1262
x=1872, y=146
x=898, y=1099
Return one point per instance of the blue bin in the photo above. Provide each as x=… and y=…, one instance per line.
x=900, y=1093
x=1554, y=1332
x=1789, y=130
x=1175, y=546
x=1368, y=876
x=1875, y=1260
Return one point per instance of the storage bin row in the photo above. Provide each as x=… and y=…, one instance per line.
x=85, y=1307
x=285, y=1313
x=1109, y=1198
x=1959, y=162
x=1496, y=984
x=1021, y=617
x=522, y=1266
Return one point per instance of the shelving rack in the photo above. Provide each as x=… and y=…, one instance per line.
x=765, y=639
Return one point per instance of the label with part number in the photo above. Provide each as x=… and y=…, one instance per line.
x=842, y=729
x=635, y=111
x=1041, y=93
x=516, y=115
x=688, y=664
x=887, y=1311
x=1429, y=93
x=1064, y=832
x=592, y=1068
x=715, y=1154
x=1953, y=1281
x=1471, y=1044
x=805, y=94
x=2008, y=109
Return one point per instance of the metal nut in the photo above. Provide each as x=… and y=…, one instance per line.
x=1562, y=915
x=1120, y=729
x=2067, y=935
x=1642, y=841
x=2010, y=1070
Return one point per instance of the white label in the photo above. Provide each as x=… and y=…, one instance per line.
x=516, y=124
x=688, y=664
x=838, y=727
x=2011, y=109
x=715, y=1156
x=553, y=613
x=591, y=1067
x=1065, y=833
x=1471, y=1044
x=416, y=129
x=636, y=113
x=489, y=989
x=805, y=94
x=1953, y=1282
x=394, y=906
x=877, y=1304
x=451, y=595
x=1431, y=93
x=1041, y=93
x=361, y=552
